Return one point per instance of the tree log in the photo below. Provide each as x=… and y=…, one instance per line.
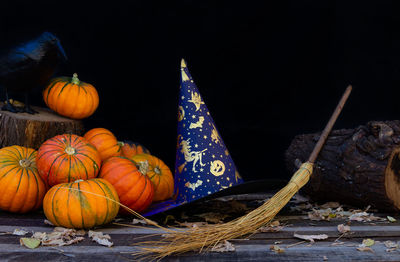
x=359, y=167
x=32, y=130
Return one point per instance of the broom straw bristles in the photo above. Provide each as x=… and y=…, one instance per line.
x=210, y=235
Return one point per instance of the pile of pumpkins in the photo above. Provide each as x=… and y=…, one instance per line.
x=81, y=181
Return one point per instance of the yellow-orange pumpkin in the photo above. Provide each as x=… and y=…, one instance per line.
x=71, y=97
x=81, y=204
x=66, y=158
x=134, y=189
x=105, y=142
x=129, y=149
x=158, y=172
x=21, y=188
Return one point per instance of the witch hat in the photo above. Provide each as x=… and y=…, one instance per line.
x=203, y=164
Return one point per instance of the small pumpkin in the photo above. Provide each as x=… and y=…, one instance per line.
x=66, y=158
x=158, y=172
x=71, y=97
x=21, y=188
x=81, y=204
x=129, y=149
x=134, y=189
x=104, y=141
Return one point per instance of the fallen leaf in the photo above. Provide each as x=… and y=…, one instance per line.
x=100, y=238
x=19, y=232
x=363, y=217
x=368, y=242
x=276, y=249
x=59, y=237
x=212, y=217
x=272, y=227
x=343, y=229
x=225, y=246
x=390, y=244
x=47, y=222
x=311, y=238
x=138, y=221
x=330, y=205
x=325, y=258
x=365, y=249
x=29, y=242
x=391, y=219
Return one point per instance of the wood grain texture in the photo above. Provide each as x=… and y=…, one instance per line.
x=32, y=130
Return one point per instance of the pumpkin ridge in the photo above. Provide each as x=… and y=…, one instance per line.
x=49, y=151
x=51, y=166
x=31, y=157
x=19, y=182
x=95, y=167
x=95, y=202
x=8, y=172
x=81, y=202
x=25, y=195
x=50, y=88
x=62, y=89
x=69, y=169
x=37, y=185
x=62, y=143
x=83, y=88
x=17, y=157
x=83, y=165
x=106, y=216
x=69, y=192
x=57, y=145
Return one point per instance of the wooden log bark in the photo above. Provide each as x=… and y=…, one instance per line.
x=358, y=166
x=32, y=130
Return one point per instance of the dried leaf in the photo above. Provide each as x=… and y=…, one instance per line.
x=213, y=217
x=29, y=242
x=59, y=237
x=272, y=227
x=139, y=221
x=343, y=229
x=311, y=238
x=365, y=249
x=330, y=205
x=390, y=244
x=225, y=246
x=363, y=217
x=47, y=222
x=276, y=249
x=100, y=238
x=325, y=258
x=391, y=219
x=20, y=232
x=368, y=242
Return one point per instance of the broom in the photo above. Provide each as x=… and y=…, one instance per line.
x=180, y=241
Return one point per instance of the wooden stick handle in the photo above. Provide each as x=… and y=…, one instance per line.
x=329, y=126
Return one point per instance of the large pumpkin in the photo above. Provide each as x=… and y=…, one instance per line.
x=129, y=149
x=81, y=204
x=21, y=188
x=66, y=158
x=104, y=141
x=135, y=190
x=159, y=173
x=71, y=97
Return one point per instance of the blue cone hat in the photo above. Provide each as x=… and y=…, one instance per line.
x=203, y=164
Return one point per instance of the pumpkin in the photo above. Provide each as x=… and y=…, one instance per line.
x=159, y=174
x=134, y=189
x=104, y=141
x=81, y=204
x=129, y=149
x=66, y=158
x=71, y=97
x=21, y=188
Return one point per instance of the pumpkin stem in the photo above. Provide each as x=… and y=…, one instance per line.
x=75, y=80
x=25, y=163
x=144, y=167
x=69, y=150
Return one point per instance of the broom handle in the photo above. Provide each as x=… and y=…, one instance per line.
x=329, y=126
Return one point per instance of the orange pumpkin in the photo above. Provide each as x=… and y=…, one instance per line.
x=66, y=158
x=71, y=97
x=134, y=189
x=129, y=149
x=159, y=174
x=81, y=204
x=21, y=188
x=105, y=142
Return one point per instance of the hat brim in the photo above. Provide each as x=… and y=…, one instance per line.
x=243, y=188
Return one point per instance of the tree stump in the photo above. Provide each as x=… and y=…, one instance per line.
x=359, y=167
x=32, y=130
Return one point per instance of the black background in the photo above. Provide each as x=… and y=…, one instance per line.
x=266, y=70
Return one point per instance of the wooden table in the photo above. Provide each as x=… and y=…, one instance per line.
x=252, y=248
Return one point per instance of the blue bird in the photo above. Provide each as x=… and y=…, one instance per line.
x=29, y=65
